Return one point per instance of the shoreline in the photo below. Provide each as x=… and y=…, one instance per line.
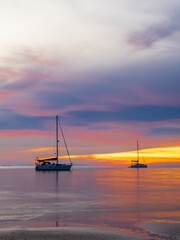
x=66, y=233
x=170, y=229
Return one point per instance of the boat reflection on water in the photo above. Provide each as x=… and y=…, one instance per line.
x=57, y=198
x=138, y=198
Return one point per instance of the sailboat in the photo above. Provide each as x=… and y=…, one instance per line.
x=135, y=163
x=52, y=163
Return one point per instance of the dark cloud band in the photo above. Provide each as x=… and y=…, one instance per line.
x=130, y=113
x=12, y=121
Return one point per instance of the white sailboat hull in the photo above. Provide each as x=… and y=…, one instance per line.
x=138, y=165
x=54, y=167
x=135, y=163
x=47, y=164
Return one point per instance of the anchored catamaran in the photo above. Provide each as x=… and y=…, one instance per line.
x=135, y=163
x=51, y=163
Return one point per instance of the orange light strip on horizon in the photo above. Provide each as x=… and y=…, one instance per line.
x=172, y=152
x=151, y=155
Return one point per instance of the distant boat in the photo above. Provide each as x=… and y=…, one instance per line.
x=51, y=163
x=135, y=163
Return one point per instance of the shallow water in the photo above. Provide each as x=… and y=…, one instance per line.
x=107, y=197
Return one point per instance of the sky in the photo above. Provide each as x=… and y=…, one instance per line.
x=109, y=69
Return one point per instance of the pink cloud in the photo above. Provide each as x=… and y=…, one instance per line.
x=7, y=73
x=39, y=58
x=7, y=94
x=24, y=133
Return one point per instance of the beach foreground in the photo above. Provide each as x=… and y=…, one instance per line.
x=65, y=233
x=163, y=228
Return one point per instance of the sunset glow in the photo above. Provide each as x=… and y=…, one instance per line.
x=150, y=156
x=110, y=70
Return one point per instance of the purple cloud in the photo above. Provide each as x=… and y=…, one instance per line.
x=142, y=113
x=21, y=122
x=164, y=131
x=156, y=32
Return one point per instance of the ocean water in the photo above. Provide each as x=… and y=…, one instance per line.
x=119, y=198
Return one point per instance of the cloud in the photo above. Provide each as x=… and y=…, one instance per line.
x=129, y=113
x=23, y=133
x=38, y=93
x=20, y=79
x=156, y=32
x=39, y=58
x=6, y=94
x=56, y=99
x=164, y=131
x=12, y=121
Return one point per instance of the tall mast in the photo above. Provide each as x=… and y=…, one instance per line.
x=137, y=152
x=65, y=141
x=57, y=140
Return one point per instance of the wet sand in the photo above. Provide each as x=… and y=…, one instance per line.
x=65, y=233
x=163, y=228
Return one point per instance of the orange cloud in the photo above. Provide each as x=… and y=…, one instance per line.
x=42, y=149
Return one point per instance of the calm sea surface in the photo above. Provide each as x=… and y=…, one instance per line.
x=103, y=197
